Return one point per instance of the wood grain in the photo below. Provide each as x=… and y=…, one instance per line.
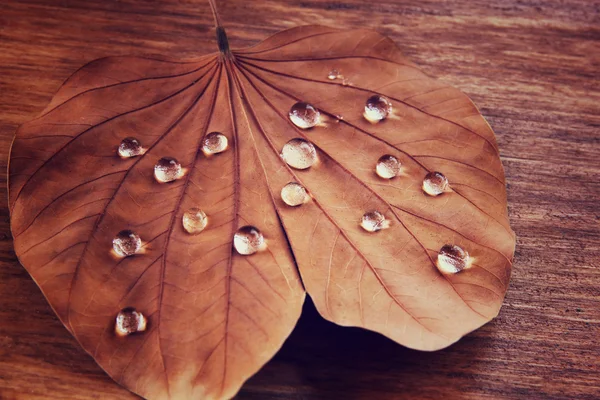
x=531, y=66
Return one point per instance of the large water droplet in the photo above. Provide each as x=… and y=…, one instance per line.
x=248, y=240
x=388, y=167
x=304, y=115
x=377, y=108
x=130, y=147
x=214, y=142
x=194, y=220
x=435, y=183
x=299, y=153
x=294, y=194
x=127, y=243
x=129, y=321
x=167, y=169
x=452, y=259
x=374, y=221
x=333, y=74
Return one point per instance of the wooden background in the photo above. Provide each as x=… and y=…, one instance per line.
x=532, y=66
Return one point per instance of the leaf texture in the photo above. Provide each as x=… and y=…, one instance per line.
x=216, y=316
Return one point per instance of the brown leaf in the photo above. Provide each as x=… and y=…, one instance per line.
x=214, y=316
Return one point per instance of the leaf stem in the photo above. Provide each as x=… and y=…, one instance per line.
x=222, y=40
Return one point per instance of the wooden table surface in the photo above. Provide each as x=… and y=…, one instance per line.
x=532, y=66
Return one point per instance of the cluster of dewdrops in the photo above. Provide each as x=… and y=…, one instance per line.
x=299, y=154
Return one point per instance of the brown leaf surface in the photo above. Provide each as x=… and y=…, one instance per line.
x=215, y=316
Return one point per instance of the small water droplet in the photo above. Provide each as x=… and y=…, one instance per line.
x=377, y=108
x=167, y=169
x=127, y=243
x=435, y=183
x=346, y=82
x=333, y=74
x=304, y=115
x=294, y=194
x=388, y=167
x=214, y=142
x=452, y=259
x=130, y=147
x=374, y=221
x=194, y=220
x=129, y=321
x=248, y=240
x=299, y=153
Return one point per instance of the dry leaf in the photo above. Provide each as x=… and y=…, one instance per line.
x=363, y=246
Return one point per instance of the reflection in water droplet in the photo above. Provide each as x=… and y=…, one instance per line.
x=213, y=143
x=304, y=116
x=129, y=321
x=299, y=153
x=248, y=240
x=294, y=194
x=194, y=220
x=374, y=221
x=167, y=169
x=377, y=108
x=388, y=167
x=333, y=74
x=127, y=243
x=130, y=147
x=435, y=183
x=452, y=259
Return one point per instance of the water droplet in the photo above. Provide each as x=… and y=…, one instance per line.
x=129, y=321
x=294, y=194
x=127, y=243
x=248, y=240
x=194, y=220
x=304, y=116
x=346, y=82
x=388, y=167
x=333, y=74
x=435, y=183
x=374, y=221
x=452, y=259
x=130, y=147
x=377, y=108
x=299, y=153
x=167, y=169
x=214, y=142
